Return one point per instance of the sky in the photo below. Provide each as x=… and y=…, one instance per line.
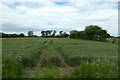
x=20, y=16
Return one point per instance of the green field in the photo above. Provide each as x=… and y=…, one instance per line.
x=59, y=58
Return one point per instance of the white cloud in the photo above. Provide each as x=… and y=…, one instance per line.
x=48, y=15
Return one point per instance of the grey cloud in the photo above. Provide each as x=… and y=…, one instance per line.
x=15, y=28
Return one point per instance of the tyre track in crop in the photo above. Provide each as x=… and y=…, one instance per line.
x=28, y=73
x=42, y=54
x=61, y=57
x=65, y=67
x=41, y=57
x=60, y=54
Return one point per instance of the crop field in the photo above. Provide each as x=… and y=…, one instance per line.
x=58, y=58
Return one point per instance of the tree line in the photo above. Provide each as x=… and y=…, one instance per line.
x=46, y=34
x=52, y=33
x=4, y=35
x=91, y=32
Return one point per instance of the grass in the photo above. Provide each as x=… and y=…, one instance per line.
x=82, y=57
x=47, y=73
x=0, y=57
x=19, y=46
x=97, y=69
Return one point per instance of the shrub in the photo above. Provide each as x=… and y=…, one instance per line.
x=77, y=60
x=74, y=61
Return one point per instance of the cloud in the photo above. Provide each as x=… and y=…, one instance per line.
x=42, y=15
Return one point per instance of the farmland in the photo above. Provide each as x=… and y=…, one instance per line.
x=59, y=58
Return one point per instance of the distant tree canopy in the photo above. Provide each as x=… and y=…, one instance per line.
x=91, y=32
x=52, y=33
x=3, y=35
x=30, y=34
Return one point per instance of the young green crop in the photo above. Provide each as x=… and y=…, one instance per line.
x=76, y=53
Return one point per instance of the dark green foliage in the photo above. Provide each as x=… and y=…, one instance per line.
x=21, y=35
x=77, y=60
x=64, y=35
x=91, y=32
x=74, y=34
x=30, y=34
x=74, y=61
x=48, y=33
x=3, y=35
x=54, y=32
x=11, y=69
x=43, y=33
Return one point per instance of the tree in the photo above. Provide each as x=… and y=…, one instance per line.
x=74, y=34
x=108, y=35
x=35, y=36
x=81, y=35
x=94, y=32
x=21, y=35
x=54, y=32
x=47, y=33
x=43, y=33
x=50, y=32
x=64, y=35
x=60, y=33
x=103, y=35
x=30, y=34
x=3, y=35
x=91, y=32
x=13, y=35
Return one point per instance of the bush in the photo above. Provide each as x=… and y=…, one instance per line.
x=77, y=60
